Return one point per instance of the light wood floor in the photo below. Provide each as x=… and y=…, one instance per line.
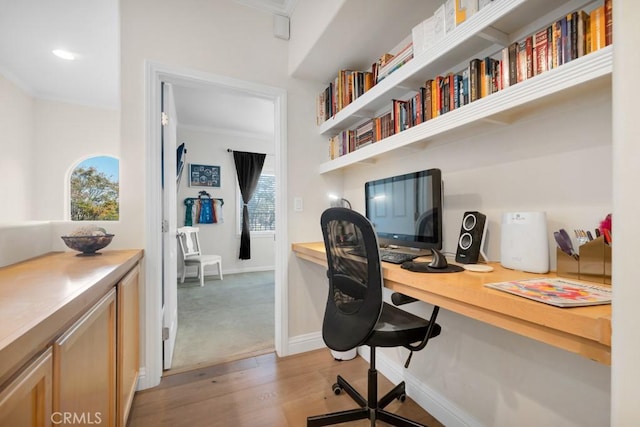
x=261, y=391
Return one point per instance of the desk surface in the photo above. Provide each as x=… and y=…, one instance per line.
x=582, y=330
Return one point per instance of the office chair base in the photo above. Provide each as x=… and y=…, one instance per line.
x=364, y=412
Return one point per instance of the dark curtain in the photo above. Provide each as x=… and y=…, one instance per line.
x=248, y=169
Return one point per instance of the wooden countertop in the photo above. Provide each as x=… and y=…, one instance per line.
x=582, y=330
x=42, y=296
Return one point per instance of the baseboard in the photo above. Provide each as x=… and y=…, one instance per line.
x=214, y=272
x=445, y=411
x=304, y=343
x=143, y=380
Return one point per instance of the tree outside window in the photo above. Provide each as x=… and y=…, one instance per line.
x=262, y=206
x=94, y=190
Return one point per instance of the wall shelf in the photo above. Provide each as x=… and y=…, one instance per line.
x=504, y=21
x=552, y=83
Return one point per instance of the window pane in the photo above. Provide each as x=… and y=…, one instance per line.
x=95, y=189
x=262, y=207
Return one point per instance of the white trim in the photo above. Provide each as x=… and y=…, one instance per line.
x=225, y=272
x=443, y=409
x=155, y=73
x=306, y=342
x=227, y=132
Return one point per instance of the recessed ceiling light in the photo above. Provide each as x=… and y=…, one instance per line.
x=64, y=54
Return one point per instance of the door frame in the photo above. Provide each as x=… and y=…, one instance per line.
x=155, y=73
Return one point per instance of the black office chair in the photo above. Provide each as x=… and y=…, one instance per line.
x=356, y=314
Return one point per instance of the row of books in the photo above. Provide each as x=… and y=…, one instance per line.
x=568, y=38
x=349, y=85
x=366, y=133
x=346, y=88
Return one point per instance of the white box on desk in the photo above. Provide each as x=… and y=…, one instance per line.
x=524, y=244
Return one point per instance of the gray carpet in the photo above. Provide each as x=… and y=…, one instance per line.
x=224, y=319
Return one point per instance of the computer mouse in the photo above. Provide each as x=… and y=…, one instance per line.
x=437, y=259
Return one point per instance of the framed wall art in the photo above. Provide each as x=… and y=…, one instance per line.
x=204, y=176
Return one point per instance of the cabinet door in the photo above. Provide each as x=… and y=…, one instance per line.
x=26, y=401
x=128, y=343
x=84, y=361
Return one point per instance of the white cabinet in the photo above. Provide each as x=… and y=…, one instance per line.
x=484, y=34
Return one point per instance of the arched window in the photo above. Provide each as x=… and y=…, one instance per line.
x=94, y=190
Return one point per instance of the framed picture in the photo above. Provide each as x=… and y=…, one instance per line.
x=204, y=176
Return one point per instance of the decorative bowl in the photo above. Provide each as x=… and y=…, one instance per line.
x=88, y=245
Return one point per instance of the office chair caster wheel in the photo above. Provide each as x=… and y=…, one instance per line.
x=336, y=389
x=402, y=397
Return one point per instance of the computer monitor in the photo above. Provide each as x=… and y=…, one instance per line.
x=406, y=210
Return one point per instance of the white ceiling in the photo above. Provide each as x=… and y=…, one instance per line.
x=31, y=29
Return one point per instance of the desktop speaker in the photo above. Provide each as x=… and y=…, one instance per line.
x=524, y=243
x=472, y=235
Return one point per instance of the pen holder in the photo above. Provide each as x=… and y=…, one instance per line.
x=594, y=264
x=567, y=266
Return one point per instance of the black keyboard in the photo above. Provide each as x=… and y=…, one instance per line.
x=396, y=257
x=388, y=255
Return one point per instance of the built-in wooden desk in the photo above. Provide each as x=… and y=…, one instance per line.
x=582, y=330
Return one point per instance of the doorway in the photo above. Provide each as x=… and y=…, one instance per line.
x=156, y=74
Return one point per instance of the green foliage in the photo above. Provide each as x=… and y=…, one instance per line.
x=93, y=196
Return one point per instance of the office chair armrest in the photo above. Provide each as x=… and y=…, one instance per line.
x=430, y=333
x=399, y=299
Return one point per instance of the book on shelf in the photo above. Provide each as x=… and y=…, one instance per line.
x=438, y=24
x=598, y=28
x=608, y=21
x=465, y=9
x=540, y=51
x=404, y=56
x=557, y=292
x=449, y=16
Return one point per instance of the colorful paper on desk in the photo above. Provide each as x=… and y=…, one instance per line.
x=557, y=292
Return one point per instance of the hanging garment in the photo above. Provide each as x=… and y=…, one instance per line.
x=217, y=209
x=206, y=211
x=188, y=214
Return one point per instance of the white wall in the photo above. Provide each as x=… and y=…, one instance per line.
x=64, y=135
x=16, y=148
x=556, y=159
x=225, y=39
x=497, y=377
x=41, y=141
x=208, y=147
x=552, y=160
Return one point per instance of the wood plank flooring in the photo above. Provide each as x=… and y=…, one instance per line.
x=261, y=391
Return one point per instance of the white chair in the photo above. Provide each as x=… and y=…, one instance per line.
x=191, y=254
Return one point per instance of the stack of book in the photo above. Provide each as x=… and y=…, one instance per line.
x=401, y=58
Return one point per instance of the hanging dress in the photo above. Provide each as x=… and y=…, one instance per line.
x=206, y=211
